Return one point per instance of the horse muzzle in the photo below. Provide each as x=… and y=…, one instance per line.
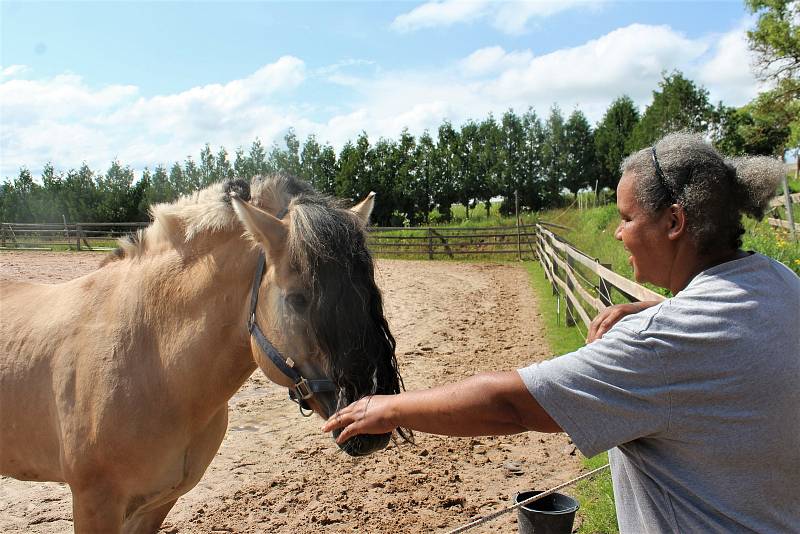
x=364, y=444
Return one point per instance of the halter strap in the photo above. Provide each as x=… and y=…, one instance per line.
x=303, y=389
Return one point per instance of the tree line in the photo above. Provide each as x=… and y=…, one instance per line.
x=536, y=159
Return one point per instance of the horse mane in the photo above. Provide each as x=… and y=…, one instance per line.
x=328, y=247
x=204, y=213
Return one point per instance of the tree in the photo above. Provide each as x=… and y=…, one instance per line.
x=470, y=148
x=413, y=202
x=773, y=120
x=425, y=156
x=241, y=166
x=117, y=204
x=191, y=176
x=208, y=169
x=222, y=167
x=580, y=164
x=678, y=105
x=286, y=160
x=256, y=163
x=530, y=195
x=177, y=181
x=448, y=170
x=776, y=42
x=81, y=196
x=611, y=138
x=22, y=191
x=383, y=172
x=776, y=39
x=554, y=157
x=325, y=173
x=353, y=179
x=160, y=189
x=490, y=164
x=309, y=157
x=512, y=166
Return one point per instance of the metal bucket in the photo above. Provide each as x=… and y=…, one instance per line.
x=553, y=514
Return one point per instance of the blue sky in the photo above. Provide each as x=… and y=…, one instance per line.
x=152, y=82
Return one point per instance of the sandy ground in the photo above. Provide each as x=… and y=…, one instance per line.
x=276, y=472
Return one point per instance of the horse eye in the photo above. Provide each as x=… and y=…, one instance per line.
x=298, y=301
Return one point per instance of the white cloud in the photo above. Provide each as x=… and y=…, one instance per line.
x=494, y=59
x=444, y=13
x=12, y=70
x=513, y=17
x=728, y=71
x=64, y=120
x=628, y=60
x=509, y=17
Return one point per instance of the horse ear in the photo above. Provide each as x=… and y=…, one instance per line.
x=270, y=232
x=364, y=208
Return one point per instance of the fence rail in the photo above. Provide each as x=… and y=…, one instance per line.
x=585, y=282
x=510, y=241
x=785, y=201
x=77, y=236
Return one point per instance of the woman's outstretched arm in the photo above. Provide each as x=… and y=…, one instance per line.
x=483, y=405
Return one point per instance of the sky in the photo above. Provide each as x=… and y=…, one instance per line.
x=151, y=83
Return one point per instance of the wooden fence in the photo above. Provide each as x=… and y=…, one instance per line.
x=586, y=283
x=503, y=241
x=78, y=236
x=785, y=201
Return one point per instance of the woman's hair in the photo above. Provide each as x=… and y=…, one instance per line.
x=714, y=192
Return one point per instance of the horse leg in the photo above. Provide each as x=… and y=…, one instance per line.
x=97, y=510
x=148, y=522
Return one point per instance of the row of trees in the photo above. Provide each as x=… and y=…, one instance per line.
x=539, y=158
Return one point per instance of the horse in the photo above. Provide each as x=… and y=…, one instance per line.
x=117, y=383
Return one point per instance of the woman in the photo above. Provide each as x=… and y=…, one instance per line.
x=697, y=397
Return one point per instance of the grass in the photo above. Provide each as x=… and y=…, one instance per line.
x=593, y=232
x=595, y=495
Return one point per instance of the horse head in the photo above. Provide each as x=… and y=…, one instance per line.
x=318, y=306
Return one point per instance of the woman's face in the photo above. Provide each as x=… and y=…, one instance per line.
x=645, y=236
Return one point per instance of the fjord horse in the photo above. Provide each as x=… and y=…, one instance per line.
x=117, y=382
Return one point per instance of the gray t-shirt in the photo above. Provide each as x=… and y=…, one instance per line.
x=699, y=397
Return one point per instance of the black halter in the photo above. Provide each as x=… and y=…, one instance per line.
x=303, y=389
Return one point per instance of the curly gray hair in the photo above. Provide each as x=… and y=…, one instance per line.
x=681, y=168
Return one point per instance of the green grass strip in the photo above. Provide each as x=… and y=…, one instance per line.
x=596, y=496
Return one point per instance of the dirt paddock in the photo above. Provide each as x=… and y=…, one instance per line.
x=276, y=472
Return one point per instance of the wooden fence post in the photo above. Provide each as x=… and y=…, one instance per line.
x=3, y=234
x=66, y=229
x=789, y=215
x=555, y=269
x=519, y=238
x=78, y=232
x=570, y=317
x=603, y=289
x=430, y=243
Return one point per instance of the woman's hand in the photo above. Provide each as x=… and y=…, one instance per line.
x=370, y=415
x=609, y=317
x=488, y=404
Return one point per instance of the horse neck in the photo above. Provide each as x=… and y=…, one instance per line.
x=202, y=315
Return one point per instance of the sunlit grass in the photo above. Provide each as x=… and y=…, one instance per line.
x=596, y=496
x=592, y=231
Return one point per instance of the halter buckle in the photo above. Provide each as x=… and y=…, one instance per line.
x=303, y=389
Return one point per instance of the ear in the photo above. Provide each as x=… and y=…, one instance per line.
x=364, y=208
x=267, y=230
x=677, y=222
